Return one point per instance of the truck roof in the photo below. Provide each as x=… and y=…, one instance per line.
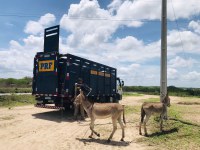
x=77, y=57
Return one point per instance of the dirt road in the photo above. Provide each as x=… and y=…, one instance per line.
x=31, y=128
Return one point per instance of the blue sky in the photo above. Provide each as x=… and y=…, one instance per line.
x=124, y=34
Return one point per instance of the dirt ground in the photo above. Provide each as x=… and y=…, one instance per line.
x=33, y=128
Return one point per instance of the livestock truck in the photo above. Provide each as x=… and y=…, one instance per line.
x=55, y=76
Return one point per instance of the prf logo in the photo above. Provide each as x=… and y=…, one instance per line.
x=46, y=65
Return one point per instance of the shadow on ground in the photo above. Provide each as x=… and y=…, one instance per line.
x=164, y=132
x=104, y=142
x=185, y=122
x=56, y=116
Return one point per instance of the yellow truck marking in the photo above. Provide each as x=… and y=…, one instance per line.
x=101, y=73
x=94, y=72
x=46, y=65
x=107, y=75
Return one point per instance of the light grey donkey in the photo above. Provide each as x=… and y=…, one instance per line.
x=102, y=111
x=150, y=108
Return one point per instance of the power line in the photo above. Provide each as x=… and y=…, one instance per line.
x=95, y=18
x=177, y=25
x=179, y=34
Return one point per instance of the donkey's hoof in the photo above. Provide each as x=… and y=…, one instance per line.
x=108, y=141
x=98, y=135
x=122, y=140
x=146, y=135
x=90, y=136
x=165, y=118
x=140, y=133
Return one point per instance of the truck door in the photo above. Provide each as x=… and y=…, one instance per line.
x=46, y=76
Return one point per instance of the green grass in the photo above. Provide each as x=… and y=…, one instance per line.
x=15, y=90
x=152, y=100
x=179, y=133
x=132, y=110
x=11, y=82
x=132, y=94
x=16, y=100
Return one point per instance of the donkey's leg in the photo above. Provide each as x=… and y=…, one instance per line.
x=92, y=129
x=114, y=121
x=140, y=126
x=142, y=119
x=122, y=127
x=145, y=122
x=166, y=115
x=161, y=121
x=141, y=122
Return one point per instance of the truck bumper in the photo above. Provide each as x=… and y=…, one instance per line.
x=49, y=107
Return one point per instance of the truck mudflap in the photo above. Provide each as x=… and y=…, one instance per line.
x=49, y=107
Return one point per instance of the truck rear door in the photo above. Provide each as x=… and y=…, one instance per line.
x=45, y=75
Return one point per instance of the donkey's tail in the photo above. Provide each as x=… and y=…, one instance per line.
x=124, y=115
x=142, y=114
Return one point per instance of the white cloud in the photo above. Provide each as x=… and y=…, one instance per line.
x=90, y=25
x=192, y=76
x=129, y=69
x=47, y=19
x=135, y=9
x=17, y=60
x=183, y=9
x=183, y=41
x=15, y=45
x=195, y=25
x=36, y=27
x=133, y=50
x=172, y=74
x=129, y=43
x=179, y=62
x=138, y=74
x=114, y=6
x=134, y=24
x=93, y=36
x=33, y=27
x=85, y=31
x=33, y=41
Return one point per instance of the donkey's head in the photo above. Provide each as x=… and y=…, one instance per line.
x=82, y=93
x=166, y=100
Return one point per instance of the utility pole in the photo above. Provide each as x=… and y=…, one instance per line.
x=163, y=75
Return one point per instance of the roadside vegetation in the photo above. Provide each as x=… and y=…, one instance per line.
x=12, y=85
x=15, y=90
x=132, y=94
x=155, y=90
x=16, y=100
x=24, y=85
x=19, y=83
